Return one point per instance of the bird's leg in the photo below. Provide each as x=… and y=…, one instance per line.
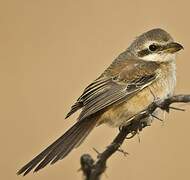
x=154, y=97
x=157, y=101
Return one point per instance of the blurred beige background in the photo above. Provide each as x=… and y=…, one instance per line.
x=50, y=50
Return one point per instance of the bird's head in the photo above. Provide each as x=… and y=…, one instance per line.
x=155, y=45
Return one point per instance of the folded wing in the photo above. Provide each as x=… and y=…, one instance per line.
x=115, y=86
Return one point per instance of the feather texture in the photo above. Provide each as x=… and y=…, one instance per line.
x=116, y=85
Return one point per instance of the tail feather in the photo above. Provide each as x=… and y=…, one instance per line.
x=61, y=147
x=76, y=142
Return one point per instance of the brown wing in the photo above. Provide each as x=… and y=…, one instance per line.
x=117, y=84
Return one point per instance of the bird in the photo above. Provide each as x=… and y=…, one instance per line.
x=144, y=71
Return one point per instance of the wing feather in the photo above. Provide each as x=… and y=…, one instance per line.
x=116, y=88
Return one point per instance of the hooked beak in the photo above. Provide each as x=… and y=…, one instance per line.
x=173, y=47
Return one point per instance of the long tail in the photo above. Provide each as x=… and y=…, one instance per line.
x=61, y=147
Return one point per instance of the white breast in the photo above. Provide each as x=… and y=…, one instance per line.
x=168, y=78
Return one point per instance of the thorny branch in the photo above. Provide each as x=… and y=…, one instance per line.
x=93, y=169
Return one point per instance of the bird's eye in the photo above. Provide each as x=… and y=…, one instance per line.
x=153, y=47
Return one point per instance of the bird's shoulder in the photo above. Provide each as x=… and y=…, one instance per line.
x=130, y=69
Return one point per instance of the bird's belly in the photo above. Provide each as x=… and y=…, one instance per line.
x=121, y=114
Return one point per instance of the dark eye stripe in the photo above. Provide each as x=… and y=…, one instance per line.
x=146, y=52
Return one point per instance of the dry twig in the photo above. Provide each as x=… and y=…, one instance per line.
x=93, y=170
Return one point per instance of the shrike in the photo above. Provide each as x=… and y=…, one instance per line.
x=145, y=71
